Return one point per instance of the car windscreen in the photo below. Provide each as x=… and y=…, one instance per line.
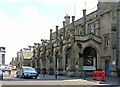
x=28, y=69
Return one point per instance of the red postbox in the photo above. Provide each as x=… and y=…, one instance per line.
x=98, y=75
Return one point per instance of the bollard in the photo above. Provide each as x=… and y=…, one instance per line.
x=56, y=75
x=85, y=75
x=44, y=72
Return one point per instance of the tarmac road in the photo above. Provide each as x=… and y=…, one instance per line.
x=12, y=81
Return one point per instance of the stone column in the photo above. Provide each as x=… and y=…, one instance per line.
x=60, y=63
x=56, y=54
x=72, y=59
x=40, y=65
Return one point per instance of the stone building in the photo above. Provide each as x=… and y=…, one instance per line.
x=23, y=58
x=89, y=43
x=13, y=62
x=2, y=55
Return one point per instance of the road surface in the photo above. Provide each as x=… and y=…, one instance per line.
x=12, y=81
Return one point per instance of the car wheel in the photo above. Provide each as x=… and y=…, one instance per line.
x=17, y=76
x=23, y=76
x=35, y=77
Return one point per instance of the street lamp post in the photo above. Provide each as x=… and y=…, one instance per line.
x=56, y=54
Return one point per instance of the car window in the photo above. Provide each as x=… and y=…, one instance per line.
x=28, y=69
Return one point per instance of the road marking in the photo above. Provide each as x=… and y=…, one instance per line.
x=72, y=80
x=76, y=80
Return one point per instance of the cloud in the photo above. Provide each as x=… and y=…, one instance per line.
x=35, y=23
x=10, y=35
x=16, y=34
x=8, y=27
x=17, y=1
x=46, y=1
x=34, y=26
x=65, y=2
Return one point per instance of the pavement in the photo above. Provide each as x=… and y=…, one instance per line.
x=108, y=80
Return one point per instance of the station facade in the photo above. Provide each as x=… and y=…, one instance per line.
x=86, y=44
x=89, y=43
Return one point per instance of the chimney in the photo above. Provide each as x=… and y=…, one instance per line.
x=84, y=12
x=67, y=19
x=50, y=34
x=84, y=19
x=73, y=19
x=56, y=32
x=29, y=48
x=63, y=28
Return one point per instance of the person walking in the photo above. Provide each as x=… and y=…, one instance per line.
x=9, y=71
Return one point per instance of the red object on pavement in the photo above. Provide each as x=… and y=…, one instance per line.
x=98, y=75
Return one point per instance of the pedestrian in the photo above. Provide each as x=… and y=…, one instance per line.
x=9, y=71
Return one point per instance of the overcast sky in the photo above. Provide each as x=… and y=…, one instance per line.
x=24, y=22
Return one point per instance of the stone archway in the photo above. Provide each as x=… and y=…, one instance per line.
x=67, y=57
x=56, y=60
x=90, y=58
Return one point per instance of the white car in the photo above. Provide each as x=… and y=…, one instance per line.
x=1, y=74
x=26, y=72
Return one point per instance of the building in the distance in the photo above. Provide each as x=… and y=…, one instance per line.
x=23, y=58
x=2, y=55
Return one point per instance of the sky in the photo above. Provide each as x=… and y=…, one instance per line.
x=25, y=22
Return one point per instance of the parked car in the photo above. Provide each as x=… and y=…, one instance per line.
x=1, y=74
x=2, y=67
x=26, y=72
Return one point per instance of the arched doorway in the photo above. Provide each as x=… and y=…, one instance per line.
x=56, y=59
x=90, y=58
x=67, y=58
x=107, y=68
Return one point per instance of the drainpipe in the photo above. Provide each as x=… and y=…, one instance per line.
x=118, y=43
x=50, y=34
